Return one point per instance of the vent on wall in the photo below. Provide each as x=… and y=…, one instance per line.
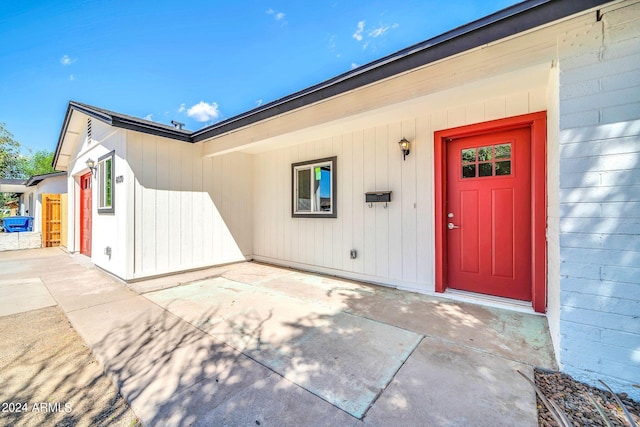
x=89, y=130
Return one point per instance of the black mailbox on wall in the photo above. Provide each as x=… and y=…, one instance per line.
x=378, y=196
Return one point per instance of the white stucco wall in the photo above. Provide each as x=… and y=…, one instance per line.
x=53, y=185
x=599, y=200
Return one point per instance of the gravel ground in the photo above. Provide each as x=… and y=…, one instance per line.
x=572, y=398
x=49, y=377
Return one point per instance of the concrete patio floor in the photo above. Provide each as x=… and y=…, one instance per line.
x=253, y=344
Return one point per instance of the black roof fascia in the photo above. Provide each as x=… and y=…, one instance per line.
x=63, y=131
x=133, y=123
x=91, y=111
x=505, y=23
x=37, y=179
x=118, y=120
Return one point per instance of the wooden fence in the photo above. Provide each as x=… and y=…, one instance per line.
x=51, y=220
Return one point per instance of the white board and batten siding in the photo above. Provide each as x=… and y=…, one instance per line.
x=599, y=200
x=395, y=245
x=109, y=230
x=190, y=211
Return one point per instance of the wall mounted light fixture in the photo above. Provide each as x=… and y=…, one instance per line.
x=405, y=145
x=91, y=164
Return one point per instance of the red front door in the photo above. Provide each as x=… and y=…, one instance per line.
x=488, y=213
x=85, y=214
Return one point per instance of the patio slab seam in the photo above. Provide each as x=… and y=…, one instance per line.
x=73, y=310
x=383, y=389
x=354, y=313
x=355, y=405
x=253, y=359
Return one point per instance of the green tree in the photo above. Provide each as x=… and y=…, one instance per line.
x=14, y=165
x=38, y=163
x=9, y=154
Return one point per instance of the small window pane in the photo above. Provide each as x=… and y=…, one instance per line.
x=503, y=151
x=107, y=183
x=469, y=155
x=314, y=188
x=323, y=188
x=485, y=169
x=304, y=190
x=101, y=186
x=503, y=168
x=469, y=171
x=484, y=154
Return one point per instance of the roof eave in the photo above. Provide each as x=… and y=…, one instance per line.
x=115, y=120
x=127, y=123
x=37, y=179
x=63, y=131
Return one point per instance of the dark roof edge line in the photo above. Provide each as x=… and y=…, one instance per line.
x=131, y=124
x=63, y=131
x=36, y=179
x=116, y=120
x=505, y=23
x=441, y=38
x=92, y=112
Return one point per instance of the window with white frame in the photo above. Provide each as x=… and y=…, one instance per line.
x=314, y=188
x=105, y=183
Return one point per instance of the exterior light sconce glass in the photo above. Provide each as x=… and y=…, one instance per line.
x=91, y=164
x=405, y=145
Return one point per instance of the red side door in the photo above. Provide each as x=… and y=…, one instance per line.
x=489, y=214
x=85, y=214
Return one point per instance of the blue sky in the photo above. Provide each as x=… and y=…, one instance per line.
x=197, y=62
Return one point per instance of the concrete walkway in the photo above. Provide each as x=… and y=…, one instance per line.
x=251, y=344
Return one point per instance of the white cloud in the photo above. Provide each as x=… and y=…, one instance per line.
x=149, y=117
x=358, y=34
x=72, y=77
x=67, y=60
x=203, y=112
x=354, y=65
x=258, y=102
x=377, y=32
x=182, y=108
x=278, y=16
x=367, y=38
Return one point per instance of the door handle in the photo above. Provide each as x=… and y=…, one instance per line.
x=451, y=226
